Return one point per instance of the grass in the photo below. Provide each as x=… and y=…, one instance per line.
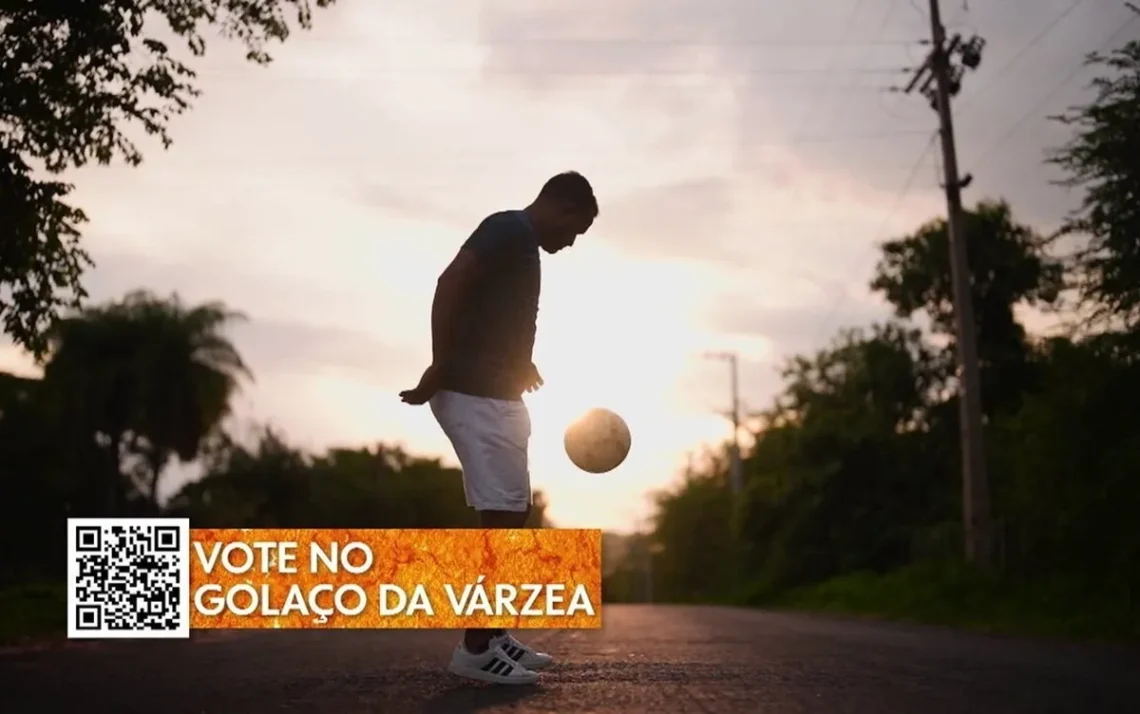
x=32, y=611
x=956, y=596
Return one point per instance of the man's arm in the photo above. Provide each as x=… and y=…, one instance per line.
x=494, y=239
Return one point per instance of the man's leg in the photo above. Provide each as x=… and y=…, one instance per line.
x=499, y=638
x=490, y=438
x=478, y=640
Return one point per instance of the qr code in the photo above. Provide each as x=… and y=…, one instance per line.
x=128, y=578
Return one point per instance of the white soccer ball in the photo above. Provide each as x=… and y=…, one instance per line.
x=598, y=441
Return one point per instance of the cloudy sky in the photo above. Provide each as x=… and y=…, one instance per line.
x=747, y=156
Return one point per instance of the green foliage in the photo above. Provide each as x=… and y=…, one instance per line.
x=839, y=479
x=32, y=610
x=33, y=480
x=132, y=384
x=692, y=545
x=1010, y=267
x=271, y=484
x=1069, y=459
x=852, y=500
x=1101, y=159
x=957, y=596
x=77, y=80
x=149, y=378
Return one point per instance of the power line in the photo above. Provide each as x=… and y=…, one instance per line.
x=420, y=71
x=679, y=42
x=847, y=24
x=902, y=192
x=1045, y=32
x=959, y=20
x=494, y=153
x=714, y=72
x=990, y=151
x=832, y=116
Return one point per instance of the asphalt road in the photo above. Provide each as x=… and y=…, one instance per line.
x=647, y=658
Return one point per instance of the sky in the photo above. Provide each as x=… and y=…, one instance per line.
x=748, y=159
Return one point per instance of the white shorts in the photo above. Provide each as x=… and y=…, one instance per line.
x=490, y=437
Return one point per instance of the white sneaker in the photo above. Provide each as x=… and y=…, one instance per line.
x=494, y=666
x=524, y=655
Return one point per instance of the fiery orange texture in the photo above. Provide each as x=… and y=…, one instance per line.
x=406, y=559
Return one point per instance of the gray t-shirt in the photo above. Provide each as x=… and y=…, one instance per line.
x=493, y=338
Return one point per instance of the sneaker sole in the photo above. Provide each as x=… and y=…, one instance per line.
x=481, y=676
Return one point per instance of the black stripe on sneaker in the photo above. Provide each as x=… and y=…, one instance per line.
x=515, y=653
x=490, y=663
x=501, y=667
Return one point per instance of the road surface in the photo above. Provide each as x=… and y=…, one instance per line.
x=657, y=659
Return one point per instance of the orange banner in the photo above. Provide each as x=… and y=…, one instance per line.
x=386, y=579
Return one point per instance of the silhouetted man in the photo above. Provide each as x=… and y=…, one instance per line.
x=483, y=323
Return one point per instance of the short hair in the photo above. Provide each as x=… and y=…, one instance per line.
x=573, y=188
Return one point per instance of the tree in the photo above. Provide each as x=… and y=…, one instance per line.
x=35, y=493
x=271, y=484
x=692, y=527
x=1103, y=159
x=1070, y=457
x=148, y=379
x=76, y=80
x=1010, y=266
x=840, y=477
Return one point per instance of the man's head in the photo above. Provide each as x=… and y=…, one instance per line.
x=565, y=209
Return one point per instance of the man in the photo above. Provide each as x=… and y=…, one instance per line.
x=483, y=322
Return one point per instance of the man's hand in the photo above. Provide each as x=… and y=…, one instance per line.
x=533, y=379
x=425, y=390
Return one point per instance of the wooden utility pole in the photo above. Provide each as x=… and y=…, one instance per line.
x=736, y=472
x=976, y=522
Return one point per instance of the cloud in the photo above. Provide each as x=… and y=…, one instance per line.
x=816, y=80
x=746, y=157
x=291, y=326
x=798, y=328
x=295, y=347
x=387, y=198
x=680, y=220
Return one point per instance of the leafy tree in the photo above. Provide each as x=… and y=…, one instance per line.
x=77, y=79
x=1070, y=456
x=838, y=478
x=877, y=381
x=1010, y=266
x=33, y=486
x=1103, y=159
x=693, y=530
x=855, y=471
x=274, y=485
x=147, y=379
x=266, y=485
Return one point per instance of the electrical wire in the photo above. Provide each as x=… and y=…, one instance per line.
x=991, y=151
x=847, y=25
x=1045, y=32
x=902, y=192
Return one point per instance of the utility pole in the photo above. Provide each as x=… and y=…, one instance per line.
x=647, y=550
x=736, y=472
x=947, y=82
x=646, y=540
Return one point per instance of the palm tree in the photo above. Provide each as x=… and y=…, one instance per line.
x=148, y=379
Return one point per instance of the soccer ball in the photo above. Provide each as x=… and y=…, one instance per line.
x=598, y=441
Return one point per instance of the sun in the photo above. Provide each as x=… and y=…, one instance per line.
x=613, y=333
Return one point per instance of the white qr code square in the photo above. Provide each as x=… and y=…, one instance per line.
x=128, y=578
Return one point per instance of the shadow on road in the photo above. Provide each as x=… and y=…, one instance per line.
x=466, y=698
